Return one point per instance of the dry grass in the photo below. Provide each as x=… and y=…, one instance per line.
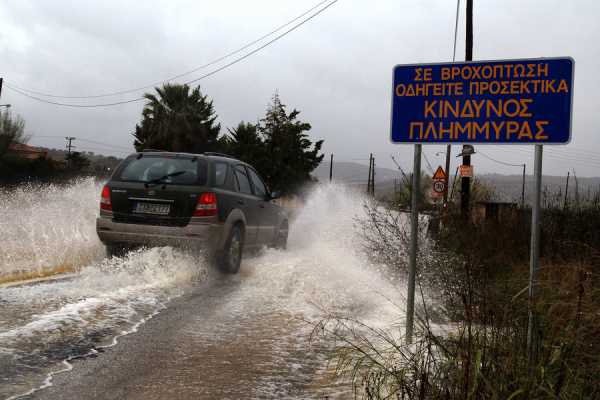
x=478, y=280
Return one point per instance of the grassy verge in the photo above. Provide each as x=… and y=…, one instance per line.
x=472, y=322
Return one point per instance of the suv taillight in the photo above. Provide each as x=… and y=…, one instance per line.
x=207, y=205
x=105, y=203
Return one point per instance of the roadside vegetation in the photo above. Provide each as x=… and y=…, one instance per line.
x=472, y=310
x=179, y=118
x=46, y=165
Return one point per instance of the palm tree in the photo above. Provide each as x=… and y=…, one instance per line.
x=176, y=119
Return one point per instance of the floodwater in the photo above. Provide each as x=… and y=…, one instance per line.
x=267, y=310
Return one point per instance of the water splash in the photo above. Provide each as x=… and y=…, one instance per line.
x=44, y=325
x=324, y=269
x=45, y=227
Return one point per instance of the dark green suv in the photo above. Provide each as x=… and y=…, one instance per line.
x=206, y=201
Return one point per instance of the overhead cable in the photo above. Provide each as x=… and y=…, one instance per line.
x=235, y=61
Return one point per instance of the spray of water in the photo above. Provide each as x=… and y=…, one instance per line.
x=46, y=227
x=324, y=269
x=51, y=227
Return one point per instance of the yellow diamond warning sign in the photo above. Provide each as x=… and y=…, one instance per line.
x=439, y=174
x=439, y=183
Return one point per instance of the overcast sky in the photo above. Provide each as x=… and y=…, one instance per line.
x=336, y=69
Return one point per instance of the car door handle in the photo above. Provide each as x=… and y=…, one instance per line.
x=241, y=202
x=262, y=205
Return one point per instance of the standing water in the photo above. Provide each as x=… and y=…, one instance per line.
x=43, y=326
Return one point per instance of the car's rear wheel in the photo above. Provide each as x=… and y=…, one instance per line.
x=282, y=236
x=230, y=259
x=116, y=250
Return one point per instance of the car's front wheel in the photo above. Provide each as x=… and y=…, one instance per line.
x=282, y=236
x=231, y=257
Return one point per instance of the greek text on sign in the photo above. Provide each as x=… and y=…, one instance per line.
x=511, y=101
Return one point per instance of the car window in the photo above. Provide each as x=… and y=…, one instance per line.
x=220, y=174
x=259, y=187
x=173, y=170
x=243, y=180
x=224, y=178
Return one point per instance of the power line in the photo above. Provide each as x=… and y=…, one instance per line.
x=568, y=159
x=213, y=62
x=428, y=163
x=235, y=61
x=456, y=30
x=264, y=45
x=56, y=103
x=83, y=140
x=498, y=161
x=104, y=144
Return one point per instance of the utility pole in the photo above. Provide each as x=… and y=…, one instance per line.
x=1, y=81
x=331, y=168
x=576, y=190
x=370, y=167
x=523, y=189
x=566, y=191
x=465, y=192
x=373, y=179
x=414, y=244
x=448, y=149
x=69, y=147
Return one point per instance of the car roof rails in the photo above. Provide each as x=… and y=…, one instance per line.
x=215, y=154
x=151, y=151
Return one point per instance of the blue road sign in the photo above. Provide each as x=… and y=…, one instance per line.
x=526, y=101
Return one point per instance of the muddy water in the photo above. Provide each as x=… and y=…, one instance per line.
x=239, y=337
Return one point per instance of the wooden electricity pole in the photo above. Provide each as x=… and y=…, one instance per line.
x=465, y=192
x=566, y=191
x=369, y=179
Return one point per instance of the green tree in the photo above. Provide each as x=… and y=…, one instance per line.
x=177, y=119
x=278, y=147
x=245, y=143
x=77, y=161
x=12, y=130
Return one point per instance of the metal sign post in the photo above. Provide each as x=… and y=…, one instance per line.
x=534, y=251
x=414, y=243
x=500, y=102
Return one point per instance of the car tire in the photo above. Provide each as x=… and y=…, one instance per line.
x=230, y=259
x=282, y=236
x=115, y=250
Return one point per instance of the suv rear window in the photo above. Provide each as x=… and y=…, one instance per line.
x=174, y=170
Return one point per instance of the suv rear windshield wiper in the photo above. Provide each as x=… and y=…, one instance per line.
x=162, y=178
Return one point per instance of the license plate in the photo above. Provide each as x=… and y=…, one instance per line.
x=152, y=208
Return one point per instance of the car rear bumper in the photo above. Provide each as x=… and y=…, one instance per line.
x=196, y=234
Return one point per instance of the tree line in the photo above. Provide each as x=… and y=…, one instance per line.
x=182, y=119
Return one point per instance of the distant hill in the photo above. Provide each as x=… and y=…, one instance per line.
x=350, y=172
x=506, y=187
x=99, y=164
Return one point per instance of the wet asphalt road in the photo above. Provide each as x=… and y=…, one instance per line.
x=202, y=347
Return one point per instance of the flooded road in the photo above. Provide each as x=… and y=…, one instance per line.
x=161, y=323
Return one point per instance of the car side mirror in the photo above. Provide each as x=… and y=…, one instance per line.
x=275, y=195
